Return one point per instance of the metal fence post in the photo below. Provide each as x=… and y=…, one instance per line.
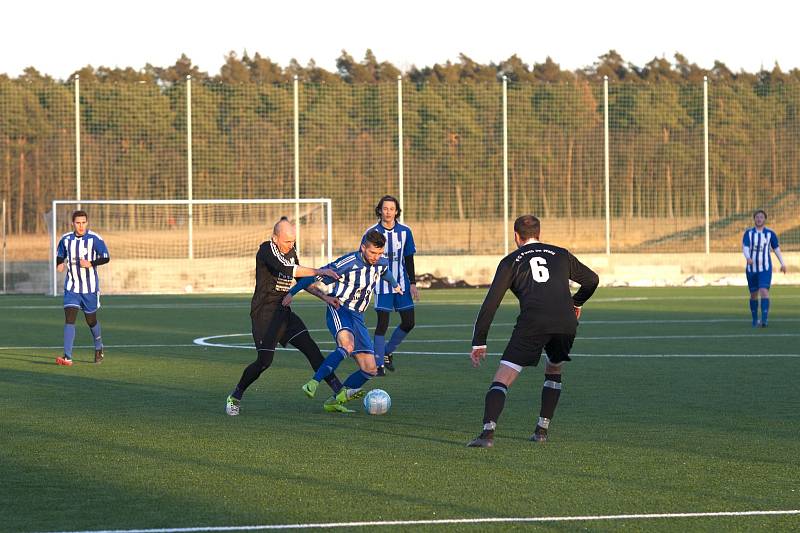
x=505, y=165
x=705, y=156
x=606, y=166
x=400, y=139
x=189, y=184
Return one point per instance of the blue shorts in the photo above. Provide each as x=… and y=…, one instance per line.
x=394, y=302
x=89, y=302
x=759, y=280
x=353, y=321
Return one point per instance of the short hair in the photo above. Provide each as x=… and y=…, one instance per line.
x=387, y=198
x=79, y=213
x=278, y=223
x=760, y=211
x=375, y=238
x=527, y=226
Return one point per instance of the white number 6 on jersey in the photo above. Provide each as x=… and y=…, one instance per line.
x=538, y=270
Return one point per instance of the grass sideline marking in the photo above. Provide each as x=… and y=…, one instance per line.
x=446, y=521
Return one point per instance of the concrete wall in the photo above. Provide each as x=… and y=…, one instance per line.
x=123, y=276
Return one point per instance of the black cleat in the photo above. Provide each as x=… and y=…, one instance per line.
x=763, y=324
x=539, y=435
x=381, y=371
x=98, y=356
x=484, y=440
x=388, y=363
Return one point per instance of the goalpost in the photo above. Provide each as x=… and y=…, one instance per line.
x=190, y=246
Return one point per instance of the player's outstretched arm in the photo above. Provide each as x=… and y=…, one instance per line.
x=302, y=272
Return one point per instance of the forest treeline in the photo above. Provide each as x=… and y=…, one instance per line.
x=134, y=130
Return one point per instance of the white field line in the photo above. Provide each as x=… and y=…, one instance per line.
x=245, y=304
x=447, y=521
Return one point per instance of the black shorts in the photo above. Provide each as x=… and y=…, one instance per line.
x=526, y=349
x=274, y=325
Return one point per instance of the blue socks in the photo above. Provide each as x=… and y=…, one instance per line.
x=98, y=340
x=764, y=310
x=380, y=347
x=69, y=339
x=357, y=379
x=330, y=364
x=754, y=311
x=397, y=337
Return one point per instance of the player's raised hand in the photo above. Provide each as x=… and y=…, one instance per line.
x=328, y=273
x=287, y=300
x=477, y=355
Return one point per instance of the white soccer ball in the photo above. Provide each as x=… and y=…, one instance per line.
x=377, y=402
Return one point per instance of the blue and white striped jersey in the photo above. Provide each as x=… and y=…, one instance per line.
x=757, y=245
x=399, y=245
x=357, y=280
x=72, y=248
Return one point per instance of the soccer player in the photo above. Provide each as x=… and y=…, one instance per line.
x=360, y=271
x=538, y=274
x=276, y=267
x=79, y=253
x=756, y=244
x=400, y=252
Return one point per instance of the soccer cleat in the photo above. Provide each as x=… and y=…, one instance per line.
x=764, y=324
x=310, y=388
x=388, y=363
x=332, y=405
x=232, y=406
x=484, y=440
x=539, y=435
x=64, y=361
x=381, y=371
x=355, y=394
x=98, y=356
x=756, y=323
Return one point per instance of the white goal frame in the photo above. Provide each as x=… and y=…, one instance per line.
x=296, y=201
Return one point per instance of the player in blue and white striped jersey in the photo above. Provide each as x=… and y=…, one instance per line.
x=400, y=250
x=757, y=242
x=79, y=253
x=359, y=272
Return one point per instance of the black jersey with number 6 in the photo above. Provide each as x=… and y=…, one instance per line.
x=274, y=275
x=538, y=274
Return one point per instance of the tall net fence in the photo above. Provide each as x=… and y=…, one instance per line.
x=556, y=160
x=453, y=167
x=348, y=152
x=343, y=141
x=656, y=159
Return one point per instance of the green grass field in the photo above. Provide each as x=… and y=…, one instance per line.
x=663, y=411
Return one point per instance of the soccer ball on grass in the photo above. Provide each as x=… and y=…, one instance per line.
x=377, y=402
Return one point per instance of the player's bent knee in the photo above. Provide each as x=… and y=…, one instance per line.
x=407, y=320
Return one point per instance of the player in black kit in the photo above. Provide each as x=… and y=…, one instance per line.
x=538, y=274
x=276, y=267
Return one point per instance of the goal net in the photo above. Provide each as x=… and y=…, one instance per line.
x=178, y=246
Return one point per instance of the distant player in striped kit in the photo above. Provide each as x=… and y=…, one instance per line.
x=399, y=250
x=756, y=245
x=359, y=272
x=79, y=253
